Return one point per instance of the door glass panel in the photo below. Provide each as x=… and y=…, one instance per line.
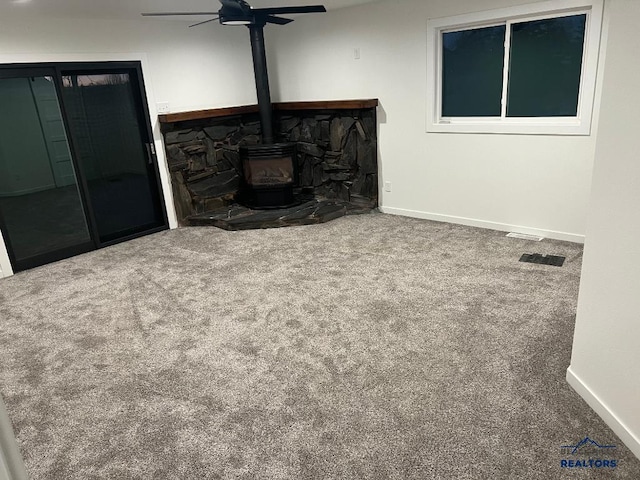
x=105, y=116
x=40, y=206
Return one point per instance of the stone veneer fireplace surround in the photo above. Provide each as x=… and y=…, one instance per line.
x=336, y=161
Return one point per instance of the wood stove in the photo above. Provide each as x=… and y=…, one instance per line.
x=270, y=175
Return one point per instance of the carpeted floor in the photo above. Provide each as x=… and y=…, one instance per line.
x=371, y=347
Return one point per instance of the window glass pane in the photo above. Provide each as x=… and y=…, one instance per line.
x=545, y=67
x=472, y=72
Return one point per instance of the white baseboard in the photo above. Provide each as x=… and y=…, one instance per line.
x=620, y=429
x=471, y=222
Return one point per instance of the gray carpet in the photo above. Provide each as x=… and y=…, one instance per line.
x=369, y=347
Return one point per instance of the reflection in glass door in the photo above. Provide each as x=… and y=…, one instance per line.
x=77, y=166
x=42, y=215
x=107, y=120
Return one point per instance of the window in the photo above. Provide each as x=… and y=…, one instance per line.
x=529, y=69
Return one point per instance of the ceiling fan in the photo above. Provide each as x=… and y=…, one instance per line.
x=239, y=12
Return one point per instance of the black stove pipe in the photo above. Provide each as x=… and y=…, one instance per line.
x=262, y=81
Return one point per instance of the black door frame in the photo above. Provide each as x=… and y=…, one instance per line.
x=56, y=70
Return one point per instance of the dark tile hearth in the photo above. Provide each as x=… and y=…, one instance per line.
x=239, y=217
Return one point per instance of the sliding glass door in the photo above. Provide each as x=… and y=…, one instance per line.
x=77, y=166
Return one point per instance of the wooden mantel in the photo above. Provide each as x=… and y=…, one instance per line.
x=282, y=106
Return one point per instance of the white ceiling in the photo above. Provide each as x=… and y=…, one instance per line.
x=133, y=8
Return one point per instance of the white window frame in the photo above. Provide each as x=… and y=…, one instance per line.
x=578, y=125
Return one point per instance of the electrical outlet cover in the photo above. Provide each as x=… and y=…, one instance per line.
x=162, y=107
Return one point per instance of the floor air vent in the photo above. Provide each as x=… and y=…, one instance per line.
x=543, y=259
x=525, y=236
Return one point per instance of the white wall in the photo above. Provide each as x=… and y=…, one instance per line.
x=5, y=263
x=11, y=464
x=513, y=182
x=605, y=364
x=191, y=68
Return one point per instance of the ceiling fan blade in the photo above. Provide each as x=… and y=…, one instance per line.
x=206, y=21
x=291, y=10
x=175, y=14
x=278, y=20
